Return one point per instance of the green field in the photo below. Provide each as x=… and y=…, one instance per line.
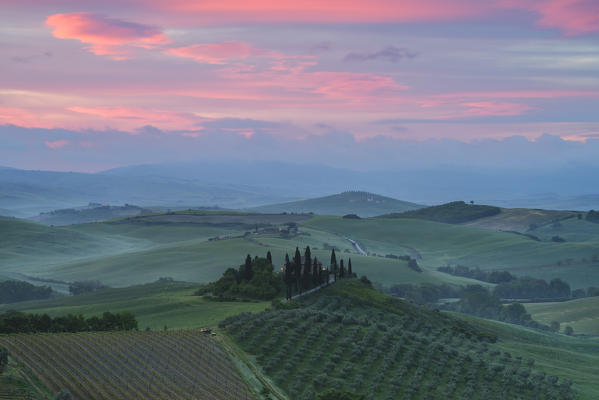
x=440, y=244
x=142, y=249
x=580, y=314
x=154, y=305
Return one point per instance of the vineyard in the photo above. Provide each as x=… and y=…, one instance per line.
x=132, y=365
x=385, y=352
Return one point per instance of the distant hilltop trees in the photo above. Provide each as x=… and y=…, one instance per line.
x=14, y=291
x=593, y=216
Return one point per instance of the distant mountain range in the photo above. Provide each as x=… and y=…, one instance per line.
x=241, y=184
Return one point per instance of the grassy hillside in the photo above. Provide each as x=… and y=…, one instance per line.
x=571, y=230
x=450, y=213
x=572, y=358
x=521, y=219
x=440, y=244
x=361, y=203
x=71, y=216
x=179, y=245
x=154, y=305
x=354, y=338
x=132, y=365
x=580, y=314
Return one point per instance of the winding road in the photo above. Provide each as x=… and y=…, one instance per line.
x=356, y=245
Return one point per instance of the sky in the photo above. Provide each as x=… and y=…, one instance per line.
x=90, y=85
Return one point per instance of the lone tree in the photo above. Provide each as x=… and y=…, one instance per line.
x=341, y=269
x=269, y=257
x=569, y=330
x=334, y=264
x=349, y=271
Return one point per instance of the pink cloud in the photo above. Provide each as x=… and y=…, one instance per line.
x=493, y=108
x=132, y=118
x=56, y=144
x=103, y=35
x=523, y=94
x=573, y=17
x=221, y=53
x=342, y=11
x=247, y=134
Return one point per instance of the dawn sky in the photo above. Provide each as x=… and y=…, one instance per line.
x=408, y=70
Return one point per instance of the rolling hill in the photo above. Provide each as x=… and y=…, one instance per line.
x=363, y=204
x=451, y=213
x=198, y=246
x=581, y=314
x=91, y=213
x=347, y=336
x=351, y=337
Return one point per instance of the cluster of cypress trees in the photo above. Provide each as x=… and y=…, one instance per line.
x=305, y=273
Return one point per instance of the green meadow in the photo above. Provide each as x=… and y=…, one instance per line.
x=155, y=305
x=581, y=314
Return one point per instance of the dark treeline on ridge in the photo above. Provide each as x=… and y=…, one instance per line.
x=14, y=291
x=18, y=322
x=451, y=213
x=472, y=299
x=524, y=288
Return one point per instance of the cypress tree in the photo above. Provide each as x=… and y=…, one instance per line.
x=247, y=271
x=334, y=264
x=315, y=274
x=307, y=267
x=349, y=271
x=288, y=276
x=269, y=257
x=341, y=269
x=297, y=259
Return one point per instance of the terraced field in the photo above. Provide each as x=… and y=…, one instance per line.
x=136, y=365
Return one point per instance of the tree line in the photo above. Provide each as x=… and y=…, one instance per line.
x=18, y=322
x=512, y=287
x=14, y=291
x=257, y=278
x=254, y=279
x=472, y=299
